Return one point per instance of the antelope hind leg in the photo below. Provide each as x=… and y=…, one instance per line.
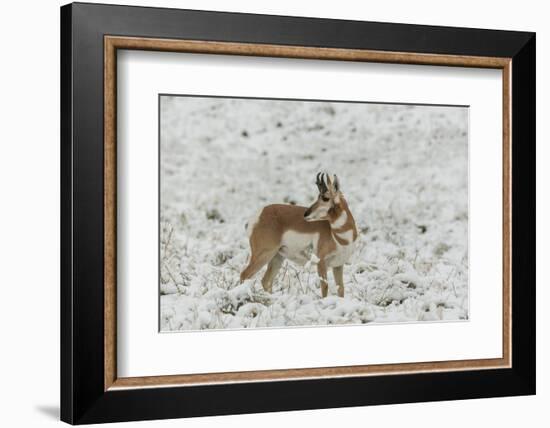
x=256, y=263
x=271, y=272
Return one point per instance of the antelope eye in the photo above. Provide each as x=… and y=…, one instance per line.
x=324, y=198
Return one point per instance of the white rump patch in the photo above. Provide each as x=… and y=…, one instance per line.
x=253, y=222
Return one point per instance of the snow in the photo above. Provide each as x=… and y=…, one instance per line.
x=403, y=170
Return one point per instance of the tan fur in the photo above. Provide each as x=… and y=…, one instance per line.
x=267, y=238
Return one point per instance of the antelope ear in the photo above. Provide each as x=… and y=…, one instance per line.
x=336, y=189
x=330, y=184
x=336, y=183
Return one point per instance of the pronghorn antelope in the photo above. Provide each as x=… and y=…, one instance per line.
x=325, y=229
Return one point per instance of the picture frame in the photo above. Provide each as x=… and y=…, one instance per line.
x=91, y=390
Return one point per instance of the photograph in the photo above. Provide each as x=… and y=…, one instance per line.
x=294, y=213
x=279, y=210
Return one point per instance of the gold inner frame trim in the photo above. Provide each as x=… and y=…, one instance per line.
x=113, y=43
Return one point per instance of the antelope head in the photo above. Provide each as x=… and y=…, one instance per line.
x=327, y=200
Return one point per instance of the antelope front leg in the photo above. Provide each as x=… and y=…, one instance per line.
x=322, y=271
x=339, y=279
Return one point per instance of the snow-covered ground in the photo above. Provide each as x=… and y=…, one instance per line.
x=403, y=170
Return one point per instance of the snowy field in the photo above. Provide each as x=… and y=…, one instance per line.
x=403, y=170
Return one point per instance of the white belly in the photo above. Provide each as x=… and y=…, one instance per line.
x=298, y=247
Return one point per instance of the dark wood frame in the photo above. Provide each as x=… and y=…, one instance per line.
x=90, y=389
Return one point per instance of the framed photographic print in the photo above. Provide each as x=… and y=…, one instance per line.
x=265, y=213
